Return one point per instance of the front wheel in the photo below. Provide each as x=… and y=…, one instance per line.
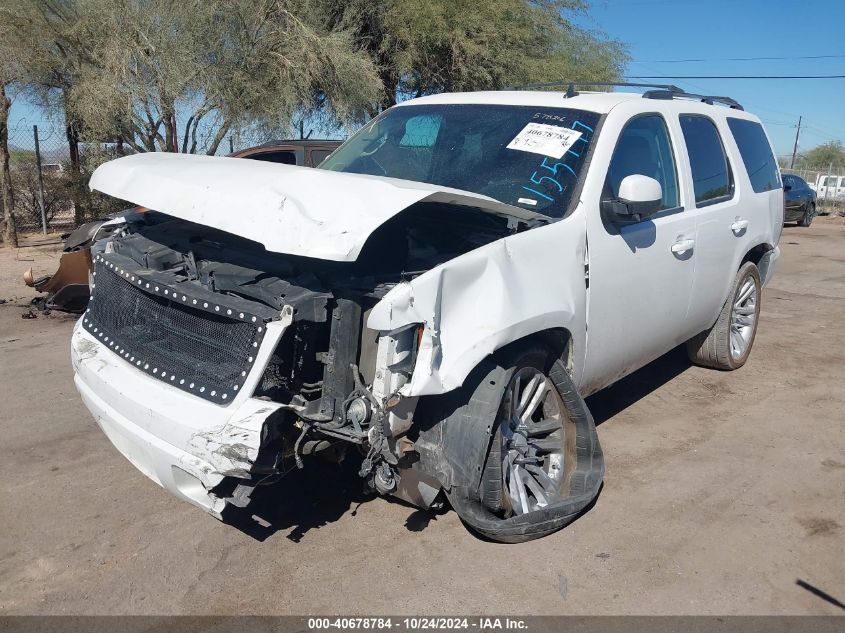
x=809, y=214
x=519, y=445
x=727, y=344
x=531, y=454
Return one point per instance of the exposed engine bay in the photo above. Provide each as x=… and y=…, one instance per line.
x=193, y=303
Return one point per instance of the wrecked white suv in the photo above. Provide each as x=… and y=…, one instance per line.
x=438, y=297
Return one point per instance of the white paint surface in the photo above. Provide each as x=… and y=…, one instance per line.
x=294, y=210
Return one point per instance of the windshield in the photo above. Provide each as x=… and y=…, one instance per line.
x=525, y=156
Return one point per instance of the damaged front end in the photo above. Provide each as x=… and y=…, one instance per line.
x=215, y=365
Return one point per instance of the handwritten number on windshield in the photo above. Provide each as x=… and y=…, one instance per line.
x=555, y=167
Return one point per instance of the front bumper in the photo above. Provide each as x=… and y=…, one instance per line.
x=182, y=442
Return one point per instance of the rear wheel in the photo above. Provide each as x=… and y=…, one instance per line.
x=809, y=214
x=727, y=344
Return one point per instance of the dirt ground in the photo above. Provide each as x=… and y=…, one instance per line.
x=724, y=492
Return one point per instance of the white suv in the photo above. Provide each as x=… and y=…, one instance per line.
x=437, y=298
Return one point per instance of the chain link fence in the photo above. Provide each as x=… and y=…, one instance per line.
x=42, y=187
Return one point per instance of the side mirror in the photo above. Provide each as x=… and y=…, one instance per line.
x=639, y=198
x=787, y=187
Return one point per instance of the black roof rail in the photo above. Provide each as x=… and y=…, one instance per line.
x=571, y=92
x=663, y=91
x=710, y=100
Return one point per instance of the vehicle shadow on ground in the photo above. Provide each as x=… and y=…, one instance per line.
x=303, y=500
x=308, y=499
x=620, y=395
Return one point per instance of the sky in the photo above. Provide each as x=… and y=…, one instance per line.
x=713, y=30
x=720, y=31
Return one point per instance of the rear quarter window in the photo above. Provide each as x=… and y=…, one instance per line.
x=283, y=157
x=711, y=174
x=756, y=154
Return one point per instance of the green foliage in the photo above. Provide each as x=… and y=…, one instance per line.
x=161, y=75
x=831, y=153
x=452, y=45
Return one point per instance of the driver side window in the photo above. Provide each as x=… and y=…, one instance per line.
x=644, y=149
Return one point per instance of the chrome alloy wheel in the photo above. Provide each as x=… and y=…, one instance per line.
x=743, y=318
x=533, y=453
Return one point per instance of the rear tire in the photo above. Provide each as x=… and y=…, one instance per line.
x=809, y=214
x=728, y=343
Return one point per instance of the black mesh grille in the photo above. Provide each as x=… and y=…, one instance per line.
x=196, y=350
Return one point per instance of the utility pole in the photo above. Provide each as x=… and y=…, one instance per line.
x=795, y=147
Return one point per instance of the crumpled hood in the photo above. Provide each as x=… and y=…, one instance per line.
x=294, y=210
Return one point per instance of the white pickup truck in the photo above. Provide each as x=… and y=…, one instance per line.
x=437, y=298
x=829, y=188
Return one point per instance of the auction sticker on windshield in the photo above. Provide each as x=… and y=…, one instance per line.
x=548, y=140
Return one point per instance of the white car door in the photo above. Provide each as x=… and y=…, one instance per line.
x=640, y=274
x=734, y=194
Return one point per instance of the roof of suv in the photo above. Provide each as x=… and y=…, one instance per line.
x=601, y=102
x=596, y=101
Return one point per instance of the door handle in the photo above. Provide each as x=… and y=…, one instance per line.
x=682, y=246
x=739, y=225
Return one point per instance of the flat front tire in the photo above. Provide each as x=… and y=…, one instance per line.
x=728, y=343
x=516, y=444
x=531, y=452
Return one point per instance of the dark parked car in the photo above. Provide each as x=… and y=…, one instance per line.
x=799, y=200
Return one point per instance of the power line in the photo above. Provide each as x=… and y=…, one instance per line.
x=767, y=108
x=825, y=130
x=734, y=59
x=736, y=77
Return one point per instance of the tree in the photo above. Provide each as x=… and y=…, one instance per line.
x=10, y=235
x=159, y=75
x=831, y=153
x=449, y=45
x=46, y=71
x=12, y=72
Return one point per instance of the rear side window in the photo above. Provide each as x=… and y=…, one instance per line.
x=756, y=154
x=285, y=158
x=711, y=175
